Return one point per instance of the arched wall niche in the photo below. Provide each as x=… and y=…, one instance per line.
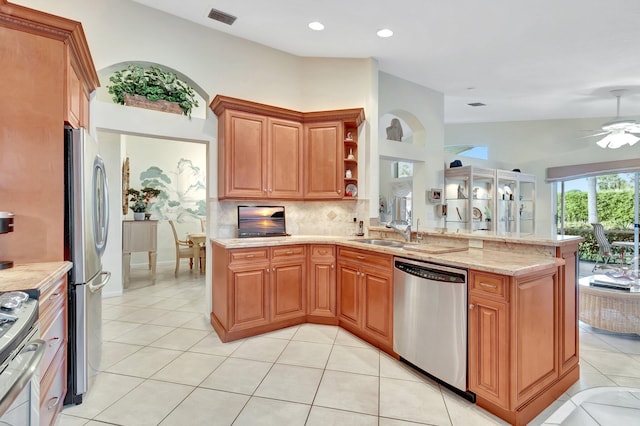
x=413, y=130
x=102, y=93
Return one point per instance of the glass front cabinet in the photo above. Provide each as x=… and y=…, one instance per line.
x=489, y=201
x=515, y=202
x=470, y=199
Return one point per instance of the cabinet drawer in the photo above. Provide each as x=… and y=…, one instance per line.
x=54, y=337
x=367, y=257
x=51, y=301
x=248, y=255
x=323, y=251
x=287, y=252
x=53, y=388
x=485, y=284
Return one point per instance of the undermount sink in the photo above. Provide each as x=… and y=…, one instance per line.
x=386, y=243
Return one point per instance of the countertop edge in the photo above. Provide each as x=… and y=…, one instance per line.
x=486, y=260
x=32, y=276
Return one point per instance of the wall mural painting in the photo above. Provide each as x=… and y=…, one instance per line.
x=183, y=196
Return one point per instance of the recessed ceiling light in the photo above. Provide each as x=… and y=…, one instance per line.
x=316, y=26
x=384, y=33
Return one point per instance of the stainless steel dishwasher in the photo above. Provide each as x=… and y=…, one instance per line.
x=430, y=320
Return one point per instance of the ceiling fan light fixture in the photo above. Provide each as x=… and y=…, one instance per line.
x=617, y=139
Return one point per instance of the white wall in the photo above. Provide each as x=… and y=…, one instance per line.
x=532, y=146
x=427, y=106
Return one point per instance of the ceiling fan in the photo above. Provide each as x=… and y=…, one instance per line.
x=620, y=131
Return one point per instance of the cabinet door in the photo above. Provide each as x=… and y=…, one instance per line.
x=569, y=347
x=285, y=159
x=244, y=170
x=323, y=160
x=348, y=294
x=322, y=287
x=488, y=350
x=249, y=297
x=377, y=299
x=288, y=295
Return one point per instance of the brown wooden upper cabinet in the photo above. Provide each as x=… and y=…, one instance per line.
x=271, y=152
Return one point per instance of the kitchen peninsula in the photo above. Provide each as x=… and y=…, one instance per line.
x=522, y=295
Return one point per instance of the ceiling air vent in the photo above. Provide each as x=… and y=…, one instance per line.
x=476, y=104
x=225, y=18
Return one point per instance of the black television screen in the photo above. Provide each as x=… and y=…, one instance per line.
x=261, y=221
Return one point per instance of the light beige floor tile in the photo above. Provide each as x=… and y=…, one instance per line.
x=305, y=354
x=592, y=342
x=180, y=339
x=383, y=421
x=189, y=368
x=344, y=338
x=115, y=329
x=147, y=404
x=589, y=380
x=463, y=413
x=237, y=375
x=348, y=391
x=612, y=396
x=97, y=423
x=107, y=389
x=170, y=303
x=321, y=416
x=291, y=383
x=144, y=334
x=116, y=312
x=316, y=333
x=207, y=407
x=260, y=411
x=394, y=369
x=113, y=352
x=555, y=413
x=196, y=305
x=260, y=349
x=355, y=360
x=614, y=363
x=66, y=420
x=199, y=322
x=412, y=401
x=174, y=319
x=144, y=363
x=627, y=343
x=633, y=382
x=144, y=315
x=579, y=417
x=283, y=333
x=212, y=345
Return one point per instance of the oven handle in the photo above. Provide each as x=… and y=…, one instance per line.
x=38, y=348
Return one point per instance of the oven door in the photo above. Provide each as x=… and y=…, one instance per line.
x=19, y=397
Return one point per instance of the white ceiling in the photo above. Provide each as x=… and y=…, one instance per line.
x=527, y=60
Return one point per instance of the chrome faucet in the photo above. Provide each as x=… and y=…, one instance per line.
x=402, y=227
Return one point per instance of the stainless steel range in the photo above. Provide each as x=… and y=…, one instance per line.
x=21, y=352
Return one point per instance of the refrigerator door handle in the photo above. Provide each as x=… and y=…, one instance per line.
x=96, y=287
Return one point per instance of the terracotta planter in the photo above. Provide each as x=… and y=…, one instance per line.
x=142, y=102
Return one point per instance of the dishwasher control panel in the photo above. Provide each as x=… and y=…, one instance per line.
x=429, y=273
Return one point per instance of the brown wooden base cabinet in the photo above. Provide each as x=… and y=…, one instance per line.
x=321, y=306
x=517, y=361
x=365, y=295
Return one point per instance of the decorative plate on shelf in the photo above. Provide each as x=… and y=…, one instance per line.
x=351, y=190
x=477, y=214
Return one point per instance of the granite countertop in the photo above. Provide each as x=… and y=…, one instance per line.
x=499, y=262
x=31, y=276
x=533, y=239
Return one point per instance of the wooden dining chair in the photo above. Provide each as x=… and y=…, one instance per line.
x=184, y=249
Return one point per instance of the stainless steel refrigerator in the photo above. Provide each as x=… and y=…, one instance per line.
x=86, y=232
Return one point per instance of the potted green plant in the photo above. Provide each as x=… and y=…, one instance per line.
x=152, y=88
x=140, y=200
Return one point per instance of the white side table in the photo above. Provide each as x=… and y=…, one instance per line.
x=139, y=235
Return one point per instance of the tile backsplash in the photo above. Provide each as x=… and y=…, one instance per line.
x=302, y=217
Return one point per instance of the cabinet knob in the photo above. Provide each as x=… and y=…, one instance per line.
x=339, y=191
x=332, y=266
x=264, y=190
x=471, y=306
